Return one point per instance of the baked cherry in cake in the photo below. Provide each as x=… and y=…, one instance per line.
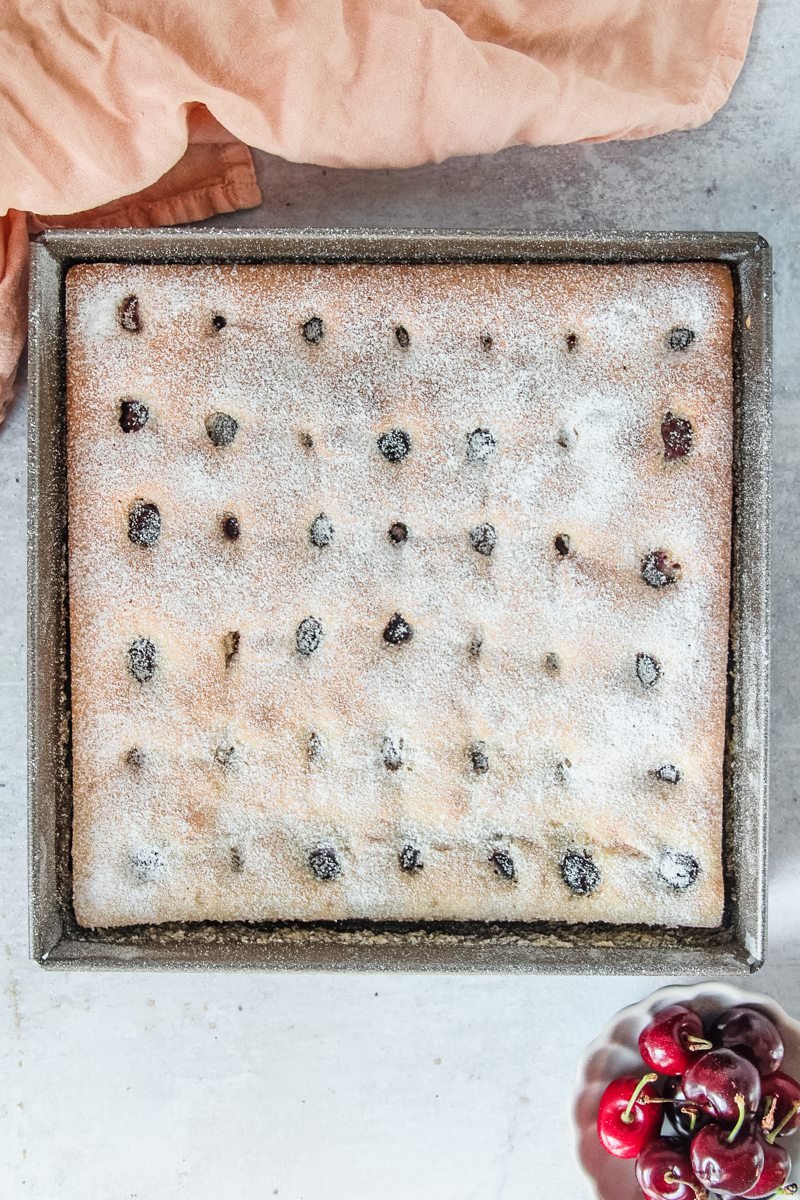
x=313, y=330
x=677, y=435
x=503, y=864
x=398, y=533
x=580, y=872
x=397, y=630
x=394, y=445
x=142, y=659
x=308, y=636
x=144, y=523
x=324, y=862
x=221, y=428
x=321, y=532
x=410, y=858
x=680, y=338
x=483, y=538
x=658, y=570
x=129, y=315
x=133, y=415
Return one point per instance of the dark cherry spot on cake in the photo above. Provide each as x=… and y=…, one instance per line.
x=668, y=773
x=129, y=315
x=410, y=858
x=397, y=630
x=321, y=531
x=392, y=753
x=476, y=645
x=142, y=659
x=314, y=747
x=563, y=438
x=313, y=331
x=483, y=538
x=677, y=435
x=147, y=864
x=308, y=636
x=218, y=321
x=135, y=758
x=403, y=339
x=221, y=428
x=479, y=758
x=230, y=644
x=144, y=523
x=579, y=872
x=647, y=669
x=572, y=341
x=481, y=444
x=503, y=864
x=563, y=769
x=237, y=859
x=225, y=754
x=306, y=441
x=133, y=415
x=486, y=341
x=398, y=533
x=324, y=862
x=678, y=870
x=562, y=544
x=552, y=663
x=680, y=338
x=230, y=527
x=658, y=571
x=394, y=445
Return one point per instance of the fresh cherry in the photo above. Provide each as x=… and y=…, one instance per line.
x=685, y=1118
x=776, y=1170
x=750, y=1033
x=728, y=1160
x=781, y=1107
x=717, y=1080
x=628, y=1116
x=672, y=1040
x=664, y=1171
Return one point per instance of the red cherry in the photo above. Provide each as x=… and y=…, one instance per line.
x=716, y=1080
x=664, y=1171
x=781, y=1107
x=626, y=1120
x=752, y=1034
x=727, y=1160
x=672, y=1040
x=776, y=1170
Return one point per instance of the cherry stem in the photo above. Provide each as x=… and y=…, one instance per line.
x=768, y=1120
x=671, y=1178
x=691, y=1112
x=627, y=1116
x=789, y=1190
x=739, y=1098
x=696, y=1044
x=793, y=1111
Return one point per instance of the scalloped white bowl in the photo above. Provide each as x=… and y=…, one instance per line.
x=615, y=1052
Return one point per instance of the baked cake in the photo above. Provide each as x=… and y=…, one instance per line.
x=399, y=592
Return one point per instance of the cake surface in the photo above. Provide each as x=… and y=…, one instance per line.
x=399, y=592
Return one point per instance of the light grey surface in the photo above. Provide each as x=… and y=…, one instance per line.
x=440, y=1088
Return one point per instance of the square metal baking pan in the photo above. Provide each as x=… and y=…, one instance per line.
x=736, y=948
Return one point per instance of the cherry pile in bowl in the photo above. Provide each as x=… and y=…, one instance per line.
x=727, y=1103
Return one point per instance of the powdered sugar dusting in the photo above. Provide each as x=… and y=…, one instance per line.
x=525, y=652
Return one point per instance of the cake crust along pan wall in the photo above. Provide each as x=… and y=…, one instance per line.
x=56, y=939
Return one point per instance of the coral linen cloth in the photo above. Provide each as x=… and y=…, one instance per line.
x=105, y=104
